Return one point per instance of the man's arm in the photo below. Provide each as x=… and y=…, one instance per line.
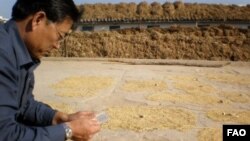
x=11, y=129
x=37, y=113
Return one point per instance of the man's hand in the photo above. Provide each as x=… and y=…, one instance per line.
x=83, y=124
x=80, y=114
x=84, y=128
x=60, y=117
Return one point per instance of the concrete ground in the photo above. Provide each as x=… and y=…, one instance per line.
x=51, y=71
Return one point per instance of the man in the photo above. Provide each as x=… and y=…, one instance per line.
x=36, y=27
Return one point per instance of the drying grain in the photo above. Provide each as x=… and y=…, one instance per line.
x=192, y=85
x=82, y=86
x=144, y=85
x=239, y=79
x=237, y=116
x=143, y=118
x=64, y=107
x=185, y=98
x=210, y=134
x=238, y=97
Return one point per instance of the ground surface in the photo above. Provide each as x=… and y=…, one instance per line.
x=150, y=100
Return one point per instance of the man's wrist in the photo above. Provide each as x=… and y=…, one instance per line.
x=68, y=131
x=59, y=117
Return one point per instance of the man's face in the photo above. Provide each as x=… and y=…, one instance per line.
x=46, y=37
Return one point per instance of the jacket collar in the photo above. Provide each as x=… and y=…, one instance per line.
x=21, y=51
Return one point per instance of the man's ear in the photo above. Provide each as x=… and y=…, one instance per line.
x=38, y=19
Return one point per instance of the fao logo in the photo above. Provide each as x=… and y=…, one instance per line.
x=236, y=132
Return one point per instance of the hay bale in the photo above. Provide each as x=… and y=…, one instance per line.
x=168, y=9
x=179, y=5
x=175, y=42
x=156, y=9
x=143, y=9
x=176, y=10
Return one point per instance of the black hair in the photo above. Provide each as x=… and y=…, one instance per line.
x=56, y=10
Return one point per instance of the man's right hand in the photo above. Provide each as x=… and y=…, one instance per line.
x=84, y=128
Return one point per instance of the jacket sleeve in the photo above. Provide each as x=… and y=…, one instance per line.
x=38, y=113
x=10, y=129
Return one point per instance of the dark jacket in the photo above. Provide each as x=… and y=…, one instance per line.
x=21, y=117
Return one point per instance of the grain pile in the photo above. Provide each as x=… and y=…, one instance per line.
x=145, y=118
x=177, y=42
x=204, y=43
x=184, y=98
x=236, y=96
x=210, y=134
x=230, y=78
x=82, y=86
x=236, y=116
x=190, y=90
x=191, y=85
x=173, y=11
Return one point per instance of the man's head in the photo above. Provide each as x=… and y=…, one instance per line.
x=44, y=23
